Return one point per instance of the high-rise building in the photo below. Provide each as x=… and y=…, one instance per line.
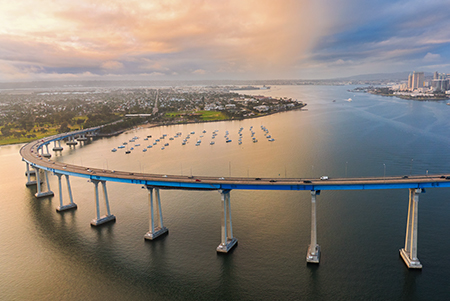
x=440, y=84
x=417, y=79
x=436, y=75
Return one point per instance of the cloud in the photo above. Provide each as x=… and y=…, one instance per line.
x=199, y=71
x=112, y=65
x=430, y=57
x=255, y=35
x=225, y=39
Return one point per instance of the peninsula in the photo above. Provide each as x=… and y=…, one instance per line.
x=29, y=114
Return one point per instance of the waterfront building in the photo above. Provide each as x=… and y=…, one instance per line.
x=417, y=79
x=440, y=84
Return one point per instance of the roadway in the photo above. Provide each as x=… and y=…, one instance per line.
x=30, y=154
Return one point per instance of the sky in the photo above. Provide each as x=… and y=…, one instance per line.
x=226, y=39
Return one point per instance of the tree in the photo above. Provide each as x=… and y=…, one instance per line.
x=17, y=135
x=6, y=131
x=64, y=128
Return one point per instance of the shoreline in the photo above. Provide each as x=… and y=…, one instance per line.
x=300, y=108
x=419, y=98
x=152, y=125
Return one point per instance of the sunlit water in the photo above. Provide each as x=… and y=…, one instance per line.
x=45, y=255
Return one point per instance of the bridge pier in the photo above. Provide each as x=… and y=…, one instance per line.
x=105, y=218
x=71, y=141
x=46, y=154
x=30, y=173
x=313, y=254
x=409, y=252
x=40, y=193
x=69, y=206
x=228, y=240
x=82, y=137
x=57, y=148
x=156, y=226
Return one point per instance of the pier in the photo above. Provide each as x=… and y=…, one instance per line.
x=37, y=163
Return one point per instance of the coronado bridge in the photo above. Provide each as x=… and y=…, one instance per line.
x=38, y=160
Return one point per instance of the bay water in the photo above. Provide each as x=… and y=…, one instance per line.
x=45, y=255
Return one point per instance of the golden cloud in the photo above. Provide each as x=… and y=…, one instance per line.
x=222, y=35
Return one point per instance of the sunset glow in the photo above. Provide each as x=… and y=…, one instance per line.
x=176, y=39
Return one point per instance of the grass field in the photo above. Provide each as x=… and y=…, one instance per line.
x=201, y=115
x=39, y=135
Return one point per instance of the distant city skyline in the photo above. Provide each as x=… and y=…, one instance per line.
x=199, y=40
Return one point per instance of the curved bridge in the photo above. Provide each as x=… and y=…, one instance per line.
x=33, y=154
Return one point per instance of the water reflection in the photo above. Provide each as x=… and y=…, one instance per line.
x=273, y=228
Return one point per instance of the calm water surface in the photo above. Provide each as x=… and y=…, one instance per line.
x=45, y=255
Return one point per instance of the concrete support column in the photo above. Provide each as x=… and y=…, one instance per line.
x=105, y=194
x=29, y=173
x=228, y=241
x=82, y=137
x=38, y=181
x=313, y=254
x=57, y=148
x=47, y=153
x=409, y=252
x=71, y=141
x=156, y=226
x=100, y=220
x=46, y=180
x=40, y=193
x=69, y=206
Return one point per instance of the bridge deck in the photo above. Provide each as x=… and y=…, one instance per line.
x=29, y=153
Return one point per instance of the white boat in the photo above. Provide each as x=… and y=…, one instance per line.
x=349, y=100
x=114, y=150
x=271, y=140
x=144, y=150
x=211, y=143
x=121, y=146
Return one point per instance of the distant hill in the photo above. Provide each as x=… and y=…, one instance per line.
x=382, y=76
x=83, y=84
